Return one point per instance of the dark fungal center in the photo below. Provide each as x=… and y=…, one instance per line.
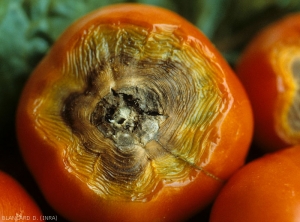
x=129, y=118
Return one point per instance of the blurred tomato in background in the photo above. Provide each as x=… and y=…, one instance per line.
x=269, y=70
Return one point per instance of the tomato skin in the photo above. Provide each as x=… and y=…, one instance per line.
x=15, y=202
x=267, y=82
x=267, y=189
x=70, y=196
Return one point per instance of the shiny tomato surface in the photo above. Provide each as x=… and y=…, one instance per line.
x=133, y=116
x=266, y=189
x=269, y=69
x=15, y=203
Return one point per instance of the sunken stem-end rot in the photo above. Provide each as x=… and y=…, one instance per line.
x=269, y=69
x=133, y=116
x=15, y=203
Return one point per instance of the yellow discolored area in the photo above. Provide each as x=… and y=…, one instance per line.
x=135, y=108
x=286, y=59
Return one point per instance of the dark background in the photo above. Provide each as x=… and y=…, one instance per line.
x=28, y=28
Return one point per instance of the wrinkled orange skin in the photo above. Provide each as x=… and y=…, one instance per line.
x=70, y=196
x=267, y=189
x=15, y=202
x=258, y=76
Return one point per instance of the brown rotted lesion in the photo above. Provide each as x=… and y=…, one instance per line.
x=129, y=117
x=143, y=115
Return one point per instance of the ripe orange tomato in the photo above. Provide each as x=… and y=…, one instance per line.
x=133, y=116
x=267, y=189
x=269, y=70
x=15, y=202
